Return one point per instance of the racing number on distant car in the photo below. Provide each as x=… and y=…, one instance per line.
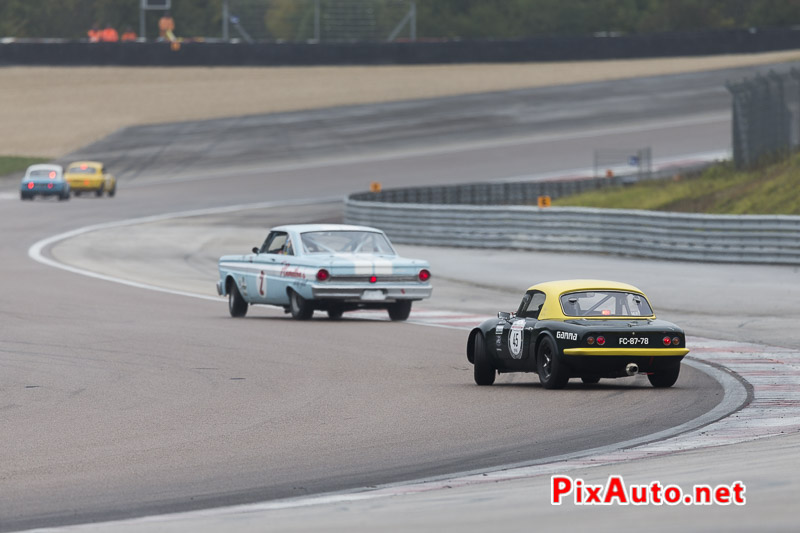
x=515, y=339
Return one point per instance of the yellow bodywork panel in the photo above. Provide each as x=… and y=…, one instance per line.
x=89, y=176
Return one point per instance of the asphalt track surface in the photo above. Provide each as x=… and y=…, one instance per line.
x=120, y=402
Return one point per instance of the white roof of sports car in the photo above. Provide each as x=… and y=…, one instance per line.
x=45, y=166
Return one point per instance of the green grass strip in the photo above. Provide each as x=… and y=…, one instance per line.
x=10, y=163
x=770, y=190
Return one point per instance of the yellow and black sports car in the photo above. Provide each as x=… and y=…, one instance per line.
x=586, y=329
x=90, y=176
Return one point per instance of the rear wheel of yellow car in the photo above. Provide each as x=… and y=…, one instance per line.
x=237, y=306
x=99, y=192
x=552, y=373
x=484, y=370
x=664, y=378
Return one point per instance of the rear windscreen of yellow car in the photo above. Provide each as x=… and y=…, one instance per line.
x=605, y=303
x=82, y=170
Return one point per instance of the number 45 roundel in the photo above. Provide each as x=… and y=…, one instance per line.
x=515, y=339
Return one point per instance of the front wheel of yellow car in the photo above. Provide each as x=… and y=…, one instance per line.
x=113, y=191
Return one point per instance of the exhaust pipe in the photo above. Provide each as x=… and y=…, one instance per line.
x=631, y=369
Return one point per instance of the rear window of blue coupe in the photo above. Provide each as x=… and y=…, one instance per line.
x=346, y=242
x=605, y=303
x=43, y=174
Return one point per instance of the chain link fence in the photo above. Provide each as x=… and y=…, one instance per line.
x=766, y=117
x=322, y=20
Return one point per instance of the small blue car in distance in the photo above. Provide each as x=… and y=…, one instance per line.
x=330, y=267
x=44, y=180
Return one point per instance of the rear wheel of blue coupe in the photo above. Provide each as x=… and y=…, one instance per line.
x=300, y=308
x=552, y=373
x=484, y=370
x=335, y=312
x=665, y=378
x=400, y=310
x=237, y=306
x=63, y=196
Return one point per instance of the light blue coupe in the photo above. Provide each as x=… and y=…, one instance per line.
x=44, y=180
x=330, y=267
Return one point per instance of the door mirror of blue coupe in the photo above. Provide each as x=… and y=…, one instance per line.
x=503, y=315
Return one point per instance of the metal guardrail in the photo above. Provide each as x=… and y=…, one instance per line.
x=696, y=237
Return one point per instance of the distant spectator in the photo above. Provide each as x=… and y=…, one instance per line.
x=94, y=34
x=166, y=27
x=128, y=35
x=109, y=34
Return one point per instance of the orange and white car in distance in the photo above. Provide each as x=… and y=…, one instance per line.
x=90, y=176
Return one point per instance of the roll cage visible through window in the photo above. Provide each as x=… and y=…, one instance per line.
x=346, y=242
x=605, y=303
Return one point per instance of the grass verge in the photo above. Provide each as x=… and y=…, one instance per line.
x=11, y=163
x=773, y=189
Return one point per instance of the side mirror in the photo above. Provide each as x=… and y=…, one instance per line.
x=255, y=249
x=503, y=315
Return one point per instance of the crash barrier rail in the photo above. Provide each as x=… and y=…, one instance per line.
x=674, y=44
x=773, y=239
